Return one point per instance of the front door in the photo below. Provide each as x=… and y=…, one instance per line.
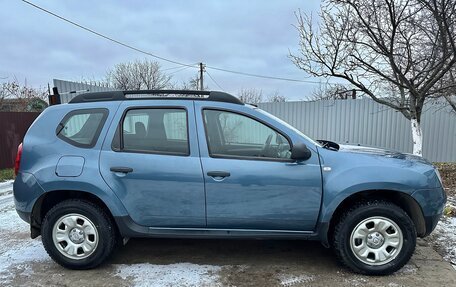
x=251, y=182
x=153, y=164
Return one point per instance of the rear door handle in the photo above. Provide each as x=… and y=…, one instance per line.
x=121, y=169
x=218, y=173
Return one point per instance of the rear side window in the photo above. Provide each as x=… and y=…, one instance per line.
x=81, y=128
x=153, y=130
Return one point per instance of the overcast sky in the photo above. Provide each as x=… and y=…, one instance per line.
x=248, y=36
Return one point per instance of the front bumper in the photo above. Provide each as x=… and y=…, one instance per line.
x=431, y=223
x=432, y=203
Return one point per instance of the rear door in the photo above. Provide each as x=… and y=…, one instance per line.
x=150, y=159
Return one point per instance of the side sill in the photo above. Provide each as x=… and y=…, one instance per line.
x=128, y=228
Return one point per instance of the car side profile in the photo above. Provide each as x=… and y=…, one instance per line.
x=109, y=166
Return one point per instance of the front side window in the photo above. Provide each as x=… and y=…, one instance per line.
x=82, y=127
x=234, y=135
x=154, y=130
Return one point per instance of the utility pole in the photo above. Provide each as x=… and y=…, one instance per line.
x=201, y=82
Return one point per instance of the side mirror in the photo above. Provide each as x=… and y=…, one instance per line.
x=300, y=152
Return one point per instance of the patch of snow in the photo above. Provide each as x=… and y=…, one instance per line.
x=6, y=183
x=10, y=222
x=446, y=237
x=17, y=250
x=179, y=274
x=290, y=280
x=6, y=186
x=356, y=281
x=26, y=252
x=407, y=270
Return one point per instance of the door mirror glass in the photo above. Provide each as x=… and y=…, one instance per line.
x=300, y=152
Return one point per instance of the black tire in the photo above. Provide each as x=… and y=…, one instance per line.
x=106, y=233
x=353, y=217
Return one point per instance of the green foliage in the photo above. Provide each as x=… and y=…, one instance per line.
x=6, y=174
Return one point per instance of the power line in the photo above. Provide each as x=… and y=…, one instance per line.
x=105, y=37
x=165, y=59
x=179, y=67
x=179, y=70
x=263, y=76
x=213, y=80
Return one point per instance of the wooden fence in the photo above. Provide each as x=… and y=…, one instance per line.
x=13, y=126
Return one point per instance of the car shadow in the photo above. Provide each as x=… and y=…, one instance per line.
x=224, y=252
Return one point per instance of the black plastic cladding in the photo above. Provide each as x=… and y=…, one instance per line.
x=155, y=95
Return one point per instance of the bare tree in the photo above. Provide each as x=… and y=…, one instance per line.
x=191, y=84
x=395, y=51
x=450, y=94
x=333, y=92
x=250, y=95
x=17, y=97
x=255, y=96
x=138, y=75
x=276, y=97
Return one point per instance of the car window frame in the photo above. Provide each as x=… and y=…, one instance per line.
x=119, y=131
x=277, y=130
x=96, y=136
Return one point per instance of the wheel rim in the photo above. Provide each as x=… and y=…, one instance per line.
x=376, y=240
x=75, y=236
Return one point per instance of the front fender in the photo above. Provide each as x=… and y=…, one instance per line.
x=333, y=198
x=345, y=173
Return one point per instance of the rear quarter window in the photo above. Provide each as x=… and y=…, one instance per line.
x=81, y=128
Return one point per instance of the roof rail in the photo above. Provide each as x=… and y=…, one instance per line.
x=156, y=95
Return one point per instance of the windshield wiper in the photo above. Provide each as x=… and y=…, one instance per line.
x=329, y=145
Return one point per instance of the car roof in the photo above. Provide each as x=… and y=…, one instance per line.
x=155, y=95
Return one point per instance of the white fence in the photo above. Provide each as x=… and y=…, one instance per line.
x=366, y=122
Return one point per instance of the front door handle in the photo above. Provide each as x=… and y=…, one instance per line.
x=218, y=173
x=121, y=169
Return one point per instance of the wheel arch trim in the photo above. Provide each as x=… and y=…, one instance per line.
x=401, y=199
x=52, y=197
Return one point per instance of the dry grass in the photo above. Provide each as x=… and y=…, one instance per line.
x=448, y=172
x=6, y=174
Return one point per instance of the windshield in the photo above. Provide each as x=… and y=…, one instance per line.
x=288, y=126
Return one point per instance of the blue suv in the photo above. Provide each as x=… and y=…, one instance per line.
x=109, y=166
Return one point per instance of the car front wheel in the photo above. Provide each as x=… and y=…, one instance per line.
x=375, y=238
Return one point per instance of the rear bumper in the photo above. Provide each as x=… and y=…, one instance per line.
x=26, y=190
x=24, y=215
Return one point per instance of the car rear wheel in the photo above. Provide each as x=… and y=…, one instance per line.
x=78, y=234
x=375, y=238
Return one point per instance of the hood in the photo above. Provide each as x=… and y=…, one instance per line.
x=382, y=153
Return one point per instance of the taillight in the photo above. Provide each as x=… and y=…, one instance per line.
x=17, y=163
